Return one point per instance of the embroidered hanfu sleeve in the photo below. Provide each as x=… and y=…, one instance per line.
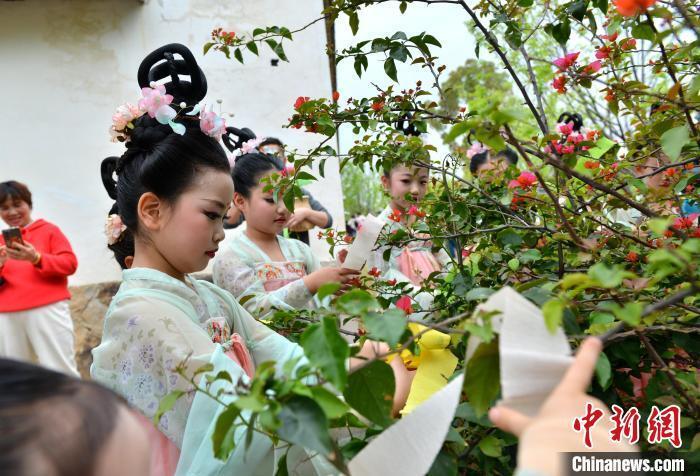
x=144, y=340
x=240, y=278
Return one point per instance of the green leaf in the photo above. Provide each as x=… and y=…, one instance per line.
x=238, y=55
x=603, y=371
x=354, y=22
x=601, y=5
x=327, y=350
x=402, y=7
x=508, y=237
x=673, y=140
x=387, y=327
x=282, y=469
x=577, y=9
x=476, y=294
x=553, y=312
x=305, y=424
x=431, y=40
x=631, y=313
x=332, y=406
x=642, y=31
x=327, y=289
x=491, y=446
x=530, y=256
x=482, y=382
x=660, y=225
x=253, y=47
x=561, y=32
x=356, y=301
x=166, y=404
x=607, y=276
x=525, y=3
x=223, y=438
x=457, y=130
x=207, y=47
x=514, y=264
x=370, y=391
x=390, y=69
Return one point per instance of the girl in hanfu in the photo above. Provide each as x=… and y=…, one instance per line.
x=172, y=190
x=258, y=265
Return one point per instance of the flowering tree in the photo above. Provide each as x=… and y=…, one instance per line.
x=597, y=226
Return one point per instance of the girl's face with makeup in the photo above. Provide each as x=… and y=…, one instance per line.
x=260, y=210
x=192, y=227
x=402, y=182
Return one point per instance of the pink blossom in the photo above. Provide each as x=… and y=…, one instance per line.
x=603, y=52
x=212, y=124
x=251, y=145
x=594, y=67
x=566, y=129
x=685, y=222
x=565, y=62
x=568, y=149
x=124, y=115
x=574, y=138
x=154, y=98
x=114, y=227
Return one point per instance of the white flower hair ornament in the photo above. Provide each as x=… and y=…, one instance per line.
x=114, y=227
x=157, y=104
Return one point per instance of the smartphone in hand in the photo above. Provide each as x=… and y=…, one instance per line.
x=12, y=236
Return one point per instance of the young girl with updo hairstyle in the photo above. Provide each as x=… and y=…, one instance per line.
x=172, y=192
x=270, y=270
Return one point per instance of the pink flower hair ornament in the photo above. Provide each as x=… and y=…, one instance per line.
x=476, y=148
x=157, y=104
x=114, y=227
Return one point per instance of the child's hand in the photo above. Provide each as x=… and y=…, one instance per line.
x=299, y=216
x=328, y=275
x=550, y=433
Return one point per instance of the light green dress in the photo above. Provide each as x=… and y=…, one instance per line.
x=262, y=284
x=155, y=322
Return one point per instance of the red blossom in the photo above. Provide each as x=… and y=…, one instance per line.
x=395, y=215
x=628, y=44
x=610, y=38
x=630, y=8
x=559, y=83
x=336, y=96
x=348, y=239
x=404, y=303
x=377, y=106
x=603, y=52
x=524, y=181
x=301, y=100
x=632, y=257
x=566, y=129
x=391, y=282
x=685, y=223
x=591, y=164
x=415, y=211
x=374, y=272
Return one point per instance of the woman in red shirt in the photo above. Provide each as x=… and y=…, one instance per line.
x=34, y=317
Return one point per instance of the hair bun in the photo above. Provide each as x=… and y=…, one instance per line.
x=234, y=138
x=147, y=133
x=162, y=63
x=406, y=126
x=107, y=170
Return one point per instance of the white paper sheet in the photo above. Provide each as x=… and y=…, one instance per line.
x=532, y=360
x=409, y=446
x=361, y=248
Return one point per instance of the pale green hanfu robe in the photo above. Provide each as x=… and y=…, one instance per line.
x=262, y=284
x=153, y=323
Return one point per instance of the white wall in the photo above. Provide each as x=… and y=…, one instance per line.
x=67, y=65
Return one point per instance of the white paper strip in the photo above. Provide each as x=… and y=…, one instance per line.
x=363, y=244
x=410, y=445
x=532, y=360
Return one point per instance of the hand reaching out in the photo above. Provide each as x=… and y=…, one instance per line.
x=550, y=433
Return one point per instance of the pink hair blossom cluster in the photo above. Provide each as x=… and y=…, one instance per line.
x=570, y=139
x=476, y=148
x=157, y=104
x=122, y=121
x=114, y=227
